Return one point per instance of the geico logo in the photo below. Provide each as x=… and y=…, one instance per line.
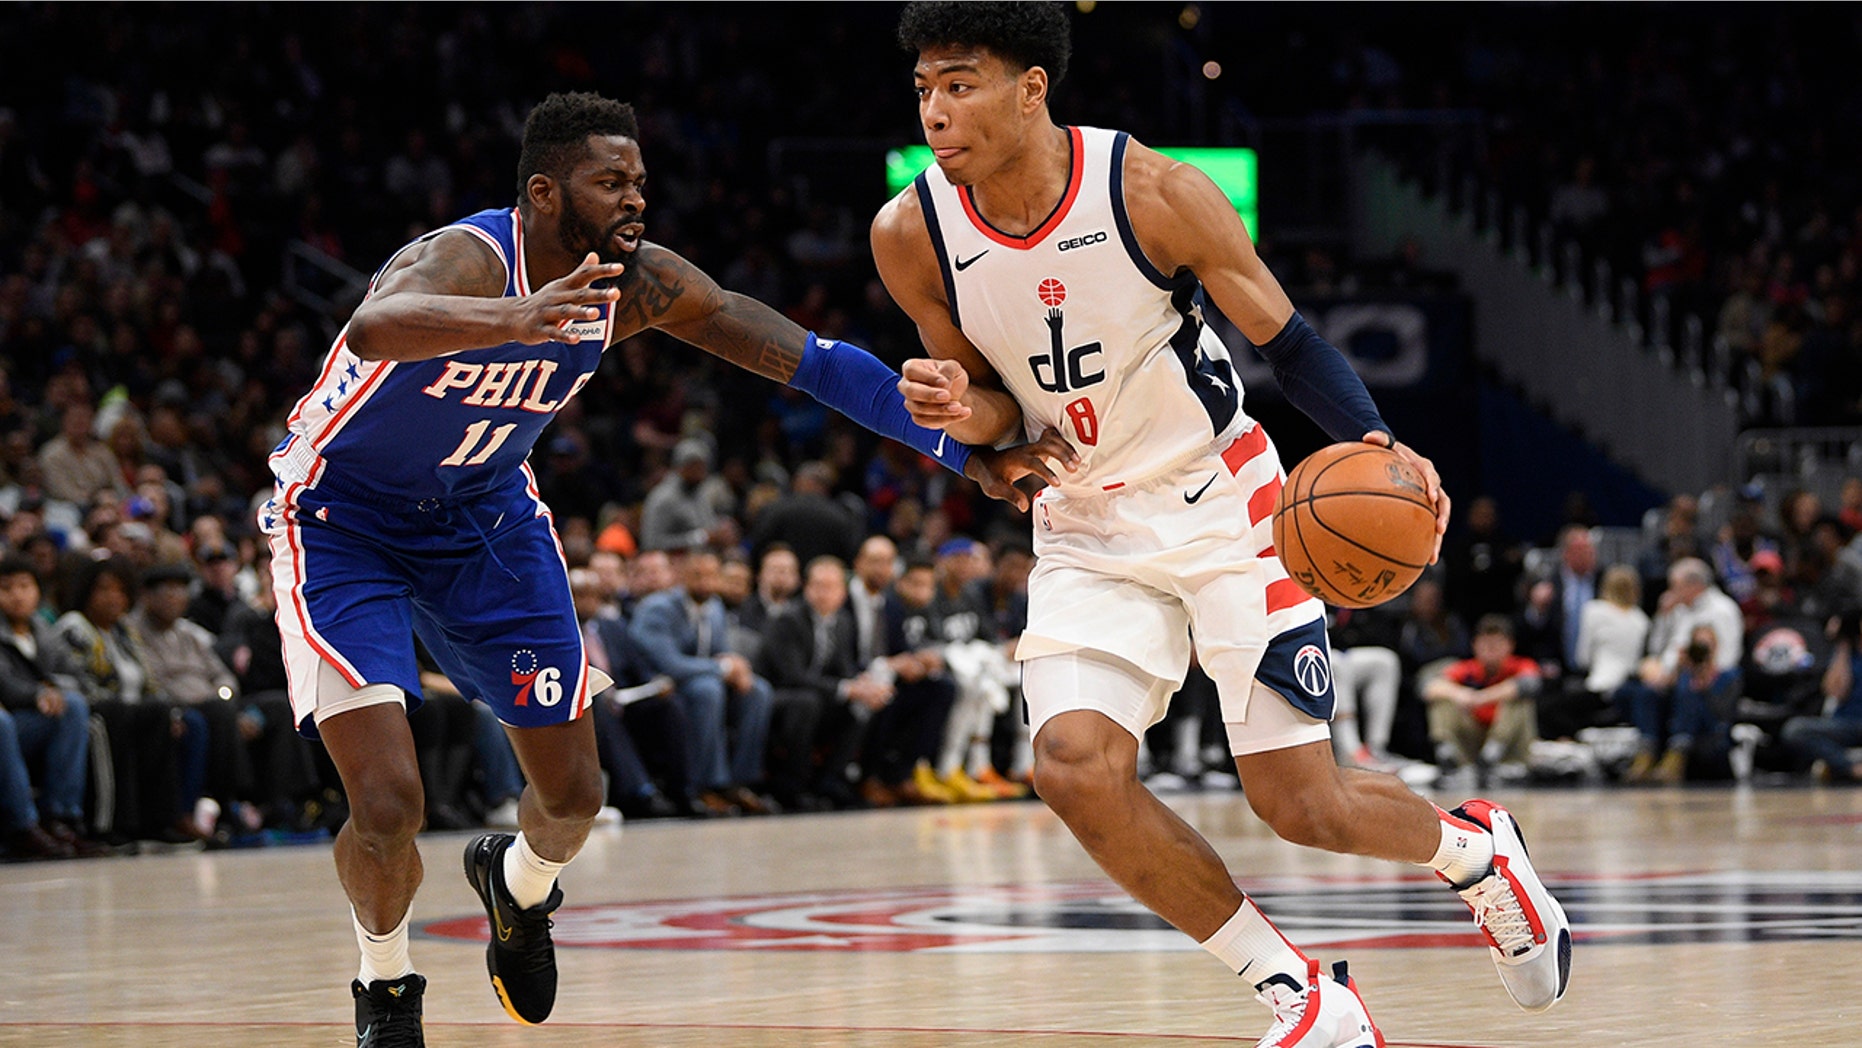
x=1085, y=241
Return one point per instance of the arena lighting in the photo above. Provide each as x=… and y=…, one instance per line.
x=1235, y=170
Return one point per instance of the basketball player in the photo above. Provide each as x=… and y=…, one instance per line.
x=1056, y=275
x=404, y=505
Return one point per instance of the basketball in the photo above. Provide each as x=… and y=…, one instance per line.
x=1354, y=525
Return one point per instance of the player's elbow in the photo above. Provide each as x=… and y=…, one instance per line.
x=367, y=335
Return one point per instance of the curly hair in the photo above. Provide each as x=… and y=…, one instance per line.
x=556, y=132
x=1023, y=34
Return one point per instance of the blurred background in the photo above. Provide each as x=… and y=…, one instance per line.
x=1600, y=261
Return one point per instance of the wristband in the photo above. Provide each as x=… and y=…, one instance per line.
x=862, y=387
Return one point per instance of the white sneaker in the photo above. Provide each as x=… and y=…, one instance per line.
x=1325, y=1013
x=1526, y=929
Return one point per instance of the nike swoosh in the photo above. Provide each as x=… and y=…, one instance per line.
x=363, y=1037
x=1191, y=499
x=504, y=930
x=965, y=263
x=939, y=450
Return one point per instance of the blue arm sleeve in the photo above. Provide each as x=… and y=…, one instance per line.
x=860, y=386
x=1319, y=381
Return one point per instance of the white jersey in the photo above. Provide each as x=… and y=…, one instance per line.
x=1087, y=335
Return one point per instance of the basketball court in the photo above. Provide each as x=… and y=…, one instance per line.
x=1704, y=916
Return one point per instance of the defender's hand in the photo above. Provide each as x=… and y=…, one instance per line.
x=1432, y=482
x=996, y=472
x=933, y=391
x=546, y=314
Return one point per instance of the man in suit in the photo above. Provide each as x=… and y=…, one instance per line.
x=825, y=696
x=683, y=633
x=1576, y=581
x=639, y=713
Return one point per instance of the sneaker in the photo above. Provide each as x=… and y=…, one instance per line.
x=927, y=788
x=1325, y=1013
x=1671, y=769
x=521, y=956
x=388, y=1013
x=968, y=790
x=1526, y=929
x=1001, y=786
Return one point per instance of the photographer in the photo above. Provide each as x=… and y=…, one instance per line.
x=1684, y=716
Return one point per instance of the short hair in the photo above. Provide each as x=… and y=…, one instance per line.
x=13, y=564
x=919, y=562
x=826, y=560
x=1023, y=34
x=1494, y=625
x=556, y=132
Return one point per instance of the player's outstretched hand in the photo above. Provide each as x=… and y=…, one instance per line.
x=547, y=313
x=933, y=391
x=1430, y=478
x=996, y=472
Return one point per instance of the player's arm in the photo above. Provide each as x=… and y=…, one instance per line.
x=1184, y=221
x=447, y=294
x=955, y=389
x=668, y=293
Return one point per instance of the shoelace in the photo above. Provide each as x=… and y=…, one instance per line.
x=537, y=953
x=1497, y=909
x=396, y=1027
x=1289, y=1007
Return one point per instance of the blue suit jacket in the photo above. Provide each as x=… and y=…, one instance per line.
x=668, y=639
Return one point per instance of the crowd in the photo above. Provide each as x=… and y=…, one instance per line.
x=799, y=617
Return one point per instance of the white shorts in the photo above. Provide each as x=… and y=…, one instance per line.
x=1136, y=571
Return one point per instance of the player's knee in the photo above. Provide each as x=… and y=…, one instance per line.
x=574, y=798
x=1303, y=818
x=388, y=806
x=1075, y=775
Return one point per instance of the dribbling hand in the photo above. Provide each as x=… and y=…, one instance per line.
x=933, y=391
x=1432, y=481
x=547, y=313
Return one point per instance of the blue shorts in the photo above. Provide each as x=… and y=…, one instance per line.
x=481, y=582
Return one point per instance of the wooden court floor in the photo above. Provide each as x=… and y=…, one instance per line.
x=1704, y=916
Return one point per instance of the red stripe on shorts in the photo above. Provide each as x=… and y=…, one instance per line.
x=1283, y=594
x=1261, y=503
x=1244, y=449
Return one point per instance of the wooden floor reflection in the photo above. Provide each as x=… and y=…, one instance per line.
x=1716, y=916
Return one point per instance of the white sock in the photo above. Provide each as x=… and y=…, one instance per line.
x=527, y=875
x=384, y=957
x=1254, y=949
x=1466, y=852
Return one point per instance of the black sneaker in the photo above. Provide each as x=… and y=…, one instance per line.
x=521, y=956
x=388, y=1013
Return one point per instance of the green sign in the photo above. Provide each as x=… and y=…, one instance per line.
x=1235, y=171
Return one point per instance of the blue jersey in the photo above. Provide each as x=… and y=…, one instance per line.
x=456, y=426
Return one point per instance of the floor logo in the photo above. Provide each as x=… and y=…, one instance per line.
x=1095, y=917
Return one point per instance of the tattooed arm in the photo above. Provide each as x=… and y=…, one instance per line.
x=662, y=290
x=446, y=294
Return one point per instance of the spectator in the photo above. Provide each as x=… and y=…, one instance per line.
x=1482, y=565
x=809, y=520
x=1431, y=634
x=1481, y=714
x=1823, y=742
x=44, y=721
x=825, y=696
x=1684, y=719
x=904, y=736
x=153, y=742
x=677, y=514
x=1613, y=631
x=778, y=581
x=1575, y=583
x=76, y=464
x=216, y=590
x=1690, y=600
x=638, y=713
x=1367, y=676
x=683, y=634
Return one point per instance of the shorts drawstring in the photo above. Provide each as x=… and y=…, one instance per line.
x=443, y=515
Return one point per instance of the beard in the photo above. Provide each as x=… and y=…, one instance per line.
x=580, y=234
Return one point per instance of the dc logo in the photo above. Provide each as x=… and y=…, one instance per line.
x=1312, y=670
x=545, y=683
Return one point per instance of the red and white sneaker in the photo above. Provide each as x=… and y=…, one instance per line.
x=1526, y=929
x=1325, y=1013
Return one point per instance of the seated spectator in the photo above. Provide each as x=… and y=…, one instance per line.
x=1367, y=675
x=1481, y=712
x=153, y=742
x=640, y=728
x=1823, y=742
x=1683, y=716
x=184, y=668
x=778, y=581
x=43, y=721
x=677, y=515
x=1612, y=633
x=451, y=743
x=824, y=696
x=904, y=736
x=683, y=633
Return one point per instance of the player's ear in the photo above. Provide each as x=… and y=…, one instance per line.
x=541, y=191
x=1034, y=88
